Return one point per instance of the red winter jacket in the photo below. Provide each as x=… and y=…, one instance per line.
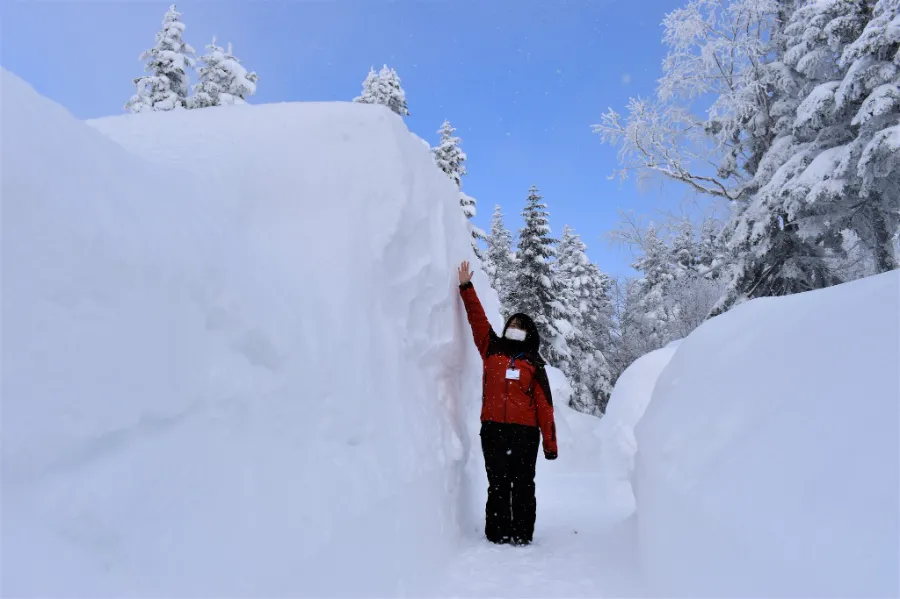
x=526, y=401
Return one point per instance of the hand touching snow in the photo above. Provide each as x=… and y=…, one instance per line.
x=465, y=275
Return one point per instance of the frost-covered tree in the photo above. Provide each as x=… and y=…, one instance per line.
x=579, y=289
x=682, y=278
x=451, y=160
x=785, y=129
x=449, y=156
x=598, y=318
x=500, y=263
x=631, y=337
x=467, y=203
x=658, y=274
x=166, y=88
x=717, y=49
x=712, y=259
x=223, y=79
x=370, y=89
x=730, y=52
x=536, y=292
x=845, y=123
x=685, y=251
x=809, y=189
x=870, y=91
x=384, y=88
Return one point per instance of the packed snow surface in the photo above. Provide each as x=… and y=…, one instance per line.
x=768, y=461
x=581, y=547
x=234, y=358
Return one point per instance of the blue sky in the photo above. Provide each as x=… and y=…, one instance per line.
x=521, y=81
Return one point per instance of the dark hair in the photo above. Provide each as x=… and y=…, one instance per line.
x=532, y=344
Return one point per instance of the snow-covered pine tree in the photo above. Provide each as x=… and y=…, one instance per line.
x=449, y=156
x=384, y=88
x=871, y=91
x=810, y=189
x=598, y=327
x=395, y=92
x=585, y=367
x=658, y=274
x=451, y=159
x=632, y=336
x=500, y=264
x=684, y=249
x=166, y=88
x=223, y=79
x=370, y=90
x=847, y=125
x=599, y=322
x=711, y=257
x=467, y=203
x=536, y=292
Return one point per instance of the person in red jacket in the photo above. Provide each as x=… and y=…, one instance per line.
x=516, y=410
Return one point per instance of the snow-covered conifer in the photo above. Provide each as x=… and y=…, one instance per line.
x=685, y=252
x=585, y=367
x=869, y=97
x=658, y=274
x=451, y=159
x=223, y=79
x=500, y=264
x=384, y=88
x=711, y=257
x=449, y=156
x=166, y=88
x=370, y=89
x=536, y=291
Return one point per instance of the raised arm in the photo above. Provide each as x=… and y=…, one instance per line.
x=543, y=401
x=481, y=327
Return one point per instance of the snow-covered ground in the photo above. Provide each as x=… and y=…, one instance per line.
x=234, y=363
x=581, y=548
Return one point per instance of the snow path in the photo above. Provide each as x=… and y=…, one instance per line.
x=580, y=548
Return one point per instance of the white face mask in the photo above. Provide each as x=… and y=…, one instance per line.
x=515, y=334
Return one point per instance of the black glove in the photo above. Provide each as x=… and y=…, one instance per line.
x=550, y=455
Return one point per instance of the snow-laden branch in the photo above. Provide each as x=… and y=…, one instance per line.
x=661, y=139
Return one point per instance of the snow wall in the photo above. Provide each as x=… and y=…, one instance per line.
x=234, y=358
x=615, y=431
x=768, y=462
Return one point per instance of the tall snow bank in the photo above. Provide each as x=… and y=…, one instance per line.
x=768, y=457
x=234, y=360
x=615, y=430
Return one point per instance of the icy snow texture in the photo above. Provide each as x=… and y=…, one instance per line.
x=234, y=358
x=767, y=462
x=615, y=430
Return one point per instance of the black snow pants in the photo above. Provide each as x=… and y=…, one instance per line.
x=510, y=456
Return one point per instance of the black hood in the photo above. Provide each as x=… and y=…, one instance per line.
x=532, y=344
